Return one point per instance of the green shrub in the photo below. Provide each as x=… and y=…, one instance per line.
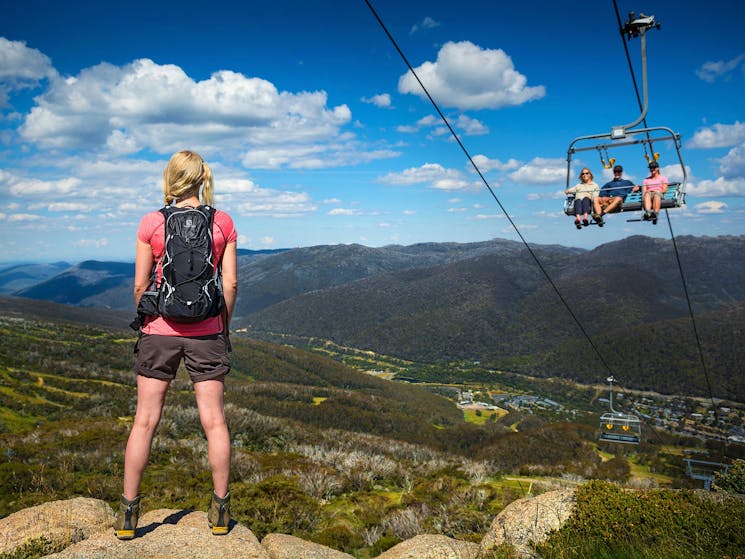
x=615, y=469
x=613, y=523
x=276, y=504
x=339, y=537
x=33, y=550
x=733, y=481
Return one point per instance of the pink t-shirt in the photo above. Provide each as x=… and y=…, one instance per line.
x=152, y=232
x=654, y=184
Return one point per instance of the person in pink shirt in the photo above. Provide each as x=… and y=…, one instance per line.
x=653, y=189
x=203, y=347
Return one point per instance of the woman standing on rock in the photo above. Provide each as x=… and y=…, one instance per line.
x=203, y=346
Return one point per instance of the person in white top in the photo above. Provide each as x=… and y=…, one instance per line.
x=584, y=192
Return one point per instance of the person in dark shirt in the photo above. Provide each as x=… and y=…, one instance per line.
x=612, y=194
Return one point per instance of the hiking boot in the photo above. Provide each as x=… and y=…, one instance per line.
x=218, y=516
x=126, y=518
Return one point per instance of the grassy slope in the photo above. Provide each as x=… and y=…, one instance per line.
x=349, y=454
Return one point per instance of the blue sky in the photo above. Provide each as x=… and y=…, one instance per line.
x=317, y=136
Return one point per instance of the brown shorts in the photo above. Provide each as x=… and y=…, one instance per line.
x=205, y=357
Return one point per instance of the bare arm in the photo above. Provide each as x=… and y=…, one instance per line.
x=229, y=279
x=143, y=269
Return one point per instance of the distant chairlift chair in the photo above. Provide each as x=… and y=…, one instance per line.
x=619, y=427
x=704, y=471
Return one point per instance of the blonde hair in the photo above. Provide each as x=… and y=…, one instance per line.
x=592, y=177
x=185, y=173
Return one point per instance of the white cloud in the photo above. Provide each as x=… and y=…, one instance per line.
x=718, y=187
x=541, y=171
x=718, y=136
x=23, y=217
x=35, y=187
x=67, y=207
x=344, y=211
x=313, y=156
x=469, y=77
x=711, y=207
x=234, y=185
x=435, y=174
x=273, y=203
x=121, y=143
x=21, y=67
x=407, y=129
x=732, y=165
x=485, y=164
x=148, y=105
x=426, y=23
x=712, y=71
x=92, y=243
x=382, y=100
x=469, y=126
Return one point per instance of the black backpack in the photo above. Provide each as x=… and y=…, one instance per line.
x=190, y=288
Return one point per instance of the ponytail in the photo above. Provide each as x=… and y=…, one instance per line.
x=184, y=174
x=207, y=186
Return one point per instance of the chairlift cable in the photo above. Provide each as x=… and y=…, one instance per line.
x=488, y=186
x=693, y=319
x=669, y=223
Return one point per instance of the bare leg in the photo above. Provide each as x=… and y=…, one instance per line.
x=614, y=203
x=657, y=204
x=209, y=395
x=151, y=393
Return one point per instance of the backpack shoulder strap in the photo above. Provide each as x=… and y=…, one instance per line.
x=208, y=211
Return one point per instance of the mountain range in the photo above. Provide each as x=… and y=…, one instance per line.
x=620, y=308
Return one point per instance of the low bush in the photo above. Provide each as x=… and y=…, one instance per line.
x=609, y=522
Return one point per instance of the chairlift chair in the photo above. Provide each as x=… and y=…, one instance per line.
x=628, y=135
x=618, y=427
x=704, y=470
x=676, y=191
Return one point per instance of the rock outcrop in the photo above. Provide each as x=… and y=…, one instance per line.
x=167, y=534
x=527, y=521
x=84, y=528
x=61, y=523
x=432, y=547
x=282, y=546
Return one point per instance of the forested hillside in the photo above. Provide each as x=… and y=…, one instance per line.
x=502, y=311
x=490, y=302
